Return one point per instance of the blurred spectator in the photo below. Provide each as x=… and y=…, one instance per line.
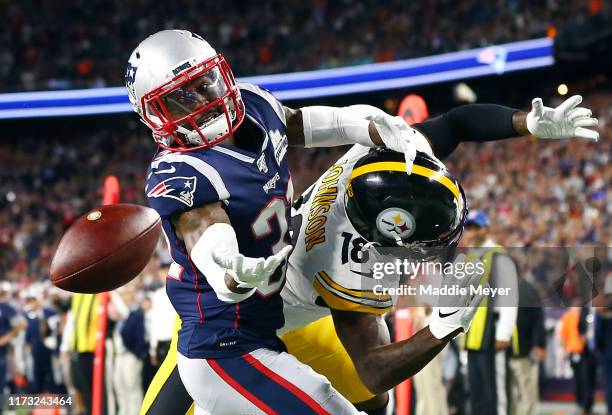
x=41, y=377
x=160, y=319
x=488, y=341
x=529, y=345
x=82, y=344
x=65, y=358
x=128, y=376
x=454, y=380
x=428, y=383
x=118, y=311
x=10, y=325
x=573, y=333
x=603, y=344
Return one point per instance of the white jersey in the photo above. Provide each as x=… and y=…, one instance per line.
x=326, y=268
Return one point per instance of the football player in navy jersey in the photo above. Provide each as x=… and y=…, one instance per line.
x=221, y=184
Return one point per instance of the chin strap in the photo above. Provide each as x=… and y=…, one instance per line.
x=369, y=245
x=398, y=239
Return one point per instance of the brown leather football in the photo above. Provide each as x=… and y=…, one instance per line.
x=105, y=248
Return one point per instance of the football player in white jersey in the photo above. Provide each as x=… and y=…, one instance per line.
x=362, y=201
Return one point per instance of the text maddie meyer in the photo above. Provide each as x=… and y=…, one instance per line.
x=430, y=290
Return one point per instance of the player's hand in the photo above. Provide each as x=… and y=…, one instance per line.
x=566, y=121
x=398, y=136
x=456, y=312
x=251, y=272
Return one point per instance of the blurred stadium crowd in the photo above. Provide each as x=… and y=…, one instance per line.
x=86, y=43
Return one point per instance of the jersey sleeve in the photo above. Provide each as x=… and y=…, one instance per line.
x=180, y=182
x=361, y=297
x=267, y=95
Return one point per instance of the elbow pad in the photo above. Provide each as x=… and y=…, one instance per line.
x=331, y=126
x=220, y=238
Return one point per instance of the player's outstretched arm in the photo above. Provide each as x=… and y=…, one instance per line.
x=489, y=122
x=381, y=365
x=213, y=247
x=319, y=126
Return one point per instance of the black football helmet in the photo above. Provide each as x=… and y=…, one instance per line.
x=423, y=211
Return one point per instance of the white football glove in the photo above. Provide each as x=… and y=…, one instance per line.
x=251, y=272
x=566, y=121
x=397, y=136
x=454, y=312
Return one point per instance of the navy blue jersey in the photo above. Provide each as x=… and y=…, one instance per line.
x=254, y=188
x=7, y=321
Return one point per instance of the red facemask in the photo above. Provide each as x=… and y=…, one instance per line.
x=198, y=108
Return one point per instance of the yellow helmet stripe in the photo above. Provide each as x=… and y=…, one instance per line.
x=401, y=166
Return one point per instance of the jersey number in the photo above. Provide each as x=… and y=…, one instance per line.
x=355, y=246
x=276, y=210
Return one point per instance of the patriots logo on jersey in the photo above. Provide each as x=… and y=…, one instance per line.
x=179, y=188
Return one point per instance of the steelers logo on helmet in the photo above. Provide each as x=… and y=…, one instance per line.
x=394, y=222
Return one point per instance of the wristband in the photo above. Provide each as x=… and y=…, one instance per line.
x=221, y=238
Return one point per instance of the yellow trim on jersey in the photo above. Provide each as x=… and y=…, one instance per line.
x=339, y=303
x=353, y=293
x=401, y=166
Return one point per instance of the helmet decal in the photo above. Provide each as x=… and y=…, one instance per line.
x=130, y=74
x=130, y=77
x=180, y=68
x=395, y=222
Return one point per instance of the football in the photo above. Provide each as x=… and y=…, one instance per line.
x=105, y=248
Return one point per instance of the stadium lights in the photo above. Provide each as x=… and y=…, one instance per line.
x=491, y=60
x=562, y=89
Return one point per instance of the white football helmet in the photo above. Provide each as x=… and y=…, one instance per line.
x=183, y=90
